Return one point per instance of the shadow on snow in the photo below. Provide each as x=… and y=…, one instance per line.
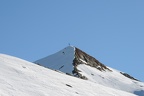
x=139, y=93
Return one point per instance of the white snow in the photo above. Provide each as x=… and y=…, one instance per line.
x=112, y=79
x=22, y=78
x=61, y=60
x=83, y=61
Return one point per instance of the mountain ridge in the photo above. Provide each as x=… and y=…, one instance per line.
x=73, y=61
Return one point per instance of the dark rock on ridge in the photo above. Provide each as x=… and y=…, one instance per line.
x=128, y=76
x=83, y=58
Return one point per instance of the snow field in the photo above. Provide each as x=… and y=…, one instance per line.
x=22, y=78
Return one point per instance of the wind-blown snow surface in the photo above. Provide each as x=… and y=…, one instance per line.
x=63, y=61
x=22, y=78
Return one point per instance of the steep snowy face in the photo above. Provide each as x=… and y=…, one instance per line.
x=61, y=61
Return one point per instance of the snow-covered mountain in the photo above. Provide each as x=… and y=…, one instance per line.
x=74, y=61
x=22, y=78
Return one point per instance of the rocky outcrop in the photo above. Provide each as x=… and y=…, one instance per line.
x=128, y=76
x=83, y=58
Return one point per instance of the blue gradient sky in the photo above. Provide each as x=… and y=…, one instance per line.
x=110, y=30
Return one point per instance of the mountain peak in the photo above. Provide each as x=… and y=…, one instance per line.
x=73, y=61
x=68, y=59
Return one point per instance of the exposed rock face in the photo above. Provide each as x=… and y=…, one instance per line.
x=83, y=58
x=127, y=75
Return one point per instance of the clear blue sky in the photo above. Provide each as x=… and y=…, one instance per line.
x=110, y=30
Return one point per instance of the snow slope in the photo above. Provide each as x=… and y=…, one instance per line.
x=112, y=79
x=63, y=61
x=22, y=78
